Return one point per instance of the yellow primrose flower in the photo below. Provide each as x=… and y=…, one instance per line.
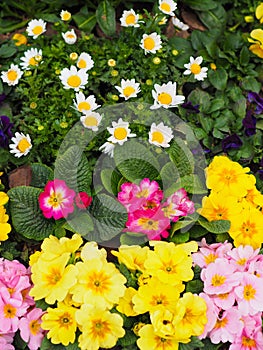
x=156, y=295
x=52, y=280
x=229, y=177
x=60, y=323
x=254, y=197
x=259, y=12
x=247, y=228
x=149, y=340
x=5, y=227
x=162, y=321
x=192, y=309
x=98, y=281
x=3, y=198
x=19, y=39
x=257, y=40
x=125, y=305
x=100, y=327
x=132, y=257
x=169, y=263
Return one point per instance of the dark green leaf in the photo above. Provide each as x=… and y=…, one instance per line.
x=214, y=18
x=7, y=51
x=239, y=107
x=47, y=345
x=218, y=78
x=129, y=238
x=194, y=286
x=81, y=222
x=201, y=5
x=106, y=18
x=40, y=175
x=195, y=344
x=218, y=226
x=110, y=180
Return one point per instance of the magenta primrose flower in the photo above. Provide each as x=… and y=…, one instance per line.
x=57, y=200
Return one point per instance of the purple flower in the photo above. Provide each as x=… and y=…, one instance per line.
x=231, y=142
x=190, y=107
x=255, y=97
x=249, y=123
x=5, y=131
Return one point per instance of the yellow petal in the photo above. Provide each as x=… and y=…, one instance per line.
x=259, y=11
x=256, y=50
x=257, y=34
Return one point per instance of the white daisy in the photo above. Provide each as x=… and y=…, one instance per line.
x=178, y=24
x=65, y=15
x=32, y=57
x=165, y=96
x=107, y=148
x=12, y=76
x=151, y=43
x=167, y=6
x=160, y=135
x=85, y=104
x=85, y=61
x=21, y=145
x=73, y=78
x=128, y=88
x=129, y=19
x=120, y=132
x=91, y=120
x=194, y=67
x=69, y=37
x=36, y=27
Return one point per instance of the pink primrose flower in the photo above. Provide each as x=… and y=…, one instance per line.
x=249, y=294
x=228, y=324
x=212, y=312
x=178, y=204
x=220, y=277
x=242, y=256
x=30, y=328
x=250, y=339
x=57, y=200
x=225, y=301
x=83, y=200
x=6, y=341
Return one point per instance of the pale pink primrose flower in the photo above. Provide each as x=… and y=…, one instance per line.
x=242, y=256
x=6, y=341
x=212, y=312
x=250, y=339
x=225, y=301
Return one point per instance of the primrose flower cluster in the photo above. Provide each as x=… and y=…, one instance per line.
x=92, y=297
x=18, y=310
x=233, y=287
x=234, y=197
x=146, y=212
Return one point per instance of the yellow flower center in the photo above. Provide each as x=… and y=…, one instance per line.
x=157, y=136
x=165, y=7
x=90, y=121
x=242, y=261
x=84, y=106
x=54, y=277
x=221, y=323
x=143, y=193
x=55, y=199
x=70, y=36
x=66, y=16
x=248, y=342
x=149, y=43
x=228, y=176
x=65, y=320
x=120, y=133
x=100, y=328
x=9, y=311
x=210, y=258
x=82, y=64
x=165, y=98
x=11, y=75
x=98, y=282
x=148, y=224
x=249, y=292
x=159, y=300
x=128, y=91
x=34, y=327
x=223, y=296
x=37, y=30
x=218, y=280
x=130, y=19
x=195, y=68
x=33, y=62
x=74, y=81
x=248, y=229
x=23, y=145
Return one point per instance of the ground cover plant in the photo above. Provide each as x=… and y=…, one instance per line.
x=131, y=175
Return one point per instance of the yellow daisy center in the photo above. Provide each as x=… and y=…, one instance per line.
x=195, y=68
x=70, y=36
x=74, y=81
x=66, y=16
x=120, y=133
x=130, y=19
x=149, y=43
x=55, y=199
x=11, y=75
x=34, y=327
x=128, y=91
x=32, y=61
x=165, y=7
x=9, y=311
x=249, y=292
x=23, y=145
x=37, y=30
x=82, y=64
x=248, y=342
x=148, y=224
x=157, y=136
x=84, y=106
x=165, y=98
x=90, y=121
x=218, y=280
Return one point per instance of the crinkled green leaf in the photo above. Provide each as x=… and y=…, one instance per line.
x=106, y=17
